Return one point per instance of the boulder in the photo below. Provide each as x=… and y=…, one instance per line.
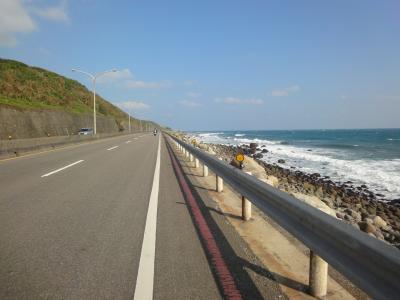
x=379, y=222
x=281, y=161
x=364, y=214
x=379, y=235
x=366, y=227
x=371, y=210
x=264, y=151
x=203, y=147
x=253, y=146
x=340, y=215
x=308, y=186
x=369, y=221
x=258, y=155
x=235, y=163
x=355, y=215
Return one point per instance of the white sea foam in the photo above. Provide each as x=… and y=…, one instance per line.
x=381, y=176
x=240, y=134
x=258, y=141
x=212, y=137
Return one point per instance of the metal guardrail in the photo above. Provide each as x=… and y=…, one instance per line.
x=371, y=264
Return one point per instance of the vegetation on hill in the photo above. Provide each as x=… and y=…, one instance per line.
x=25, y=87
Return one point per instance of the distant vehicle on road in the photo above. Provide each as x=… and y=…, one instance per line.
x=155, y=131
x=85, y=131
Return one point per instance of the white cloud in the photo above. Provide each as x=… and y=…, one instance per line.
x=14, y=19
x=54, y=13
x=234, y=100
x=134, y=105
x=190, y=103
x=190, y=82
x=124, y=74
x=126, y=79
x=284, y=92
x=193, y=95
x=137, y=84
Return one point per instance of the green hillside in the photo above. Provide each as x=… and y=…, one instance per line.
x=25, y=87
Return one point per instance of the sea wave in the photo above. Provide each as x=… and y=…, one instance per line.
x=258, y=141
x=206, y=134
x=381, y=176
x=338, y=146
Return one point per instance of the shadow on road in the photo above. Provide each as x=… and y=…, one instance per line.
x=237, y=265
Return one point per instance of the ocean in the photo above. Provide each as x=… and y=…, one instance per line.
x=362, y=156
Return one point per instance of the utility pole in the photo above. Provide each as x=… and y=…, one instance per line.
x=94, y=77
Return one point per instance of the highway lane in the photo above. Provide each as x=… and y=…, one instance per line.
x=72, y=226
x=77, y=233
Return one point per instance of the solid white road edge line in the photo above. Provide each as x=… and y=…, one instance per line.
x=63, y=168
x=112, y=148
x=145, y=276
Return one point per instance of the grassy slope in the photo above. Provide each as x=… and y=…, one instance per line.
x=25, y=87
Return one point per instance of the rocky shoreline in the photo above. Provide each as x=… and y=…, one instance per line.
x=355, y=205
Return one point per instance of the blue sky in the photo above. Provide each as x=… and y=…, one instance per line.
x=209, y=65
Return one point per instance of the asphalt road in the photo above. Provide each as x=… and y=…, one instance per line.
x=72, y=226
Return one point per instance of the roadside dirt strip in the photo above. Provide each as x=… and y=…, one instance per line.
x=225, y=278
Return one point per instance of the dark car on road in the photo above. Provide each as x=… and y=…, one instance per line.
x=85, y=131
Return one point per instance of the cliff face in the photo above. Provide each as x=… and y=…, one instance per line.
x=38, y=123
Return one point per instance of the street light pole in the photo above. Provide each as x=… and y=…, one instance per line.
x=94, y=77
x=129, y=121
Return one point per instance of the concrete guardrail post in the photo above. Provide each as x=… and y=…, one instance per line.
x=219, y=182
x=196, y=163
x=190, y=157
x=318, y=279
x=205, y=170
x=246, y=207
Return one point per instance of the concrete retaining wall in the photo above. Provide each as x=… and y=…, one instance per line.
x=14, y=148
x=20, y=124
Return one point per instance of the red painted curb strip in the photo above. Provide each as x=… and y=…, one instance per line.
x=225, y=277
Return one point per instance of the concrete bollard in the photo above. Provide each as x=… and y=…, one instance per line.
x=219, y=182
x=246, y=207
x=196, y=162
x=191, y=157
x=318, y=280
x=205, y=170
